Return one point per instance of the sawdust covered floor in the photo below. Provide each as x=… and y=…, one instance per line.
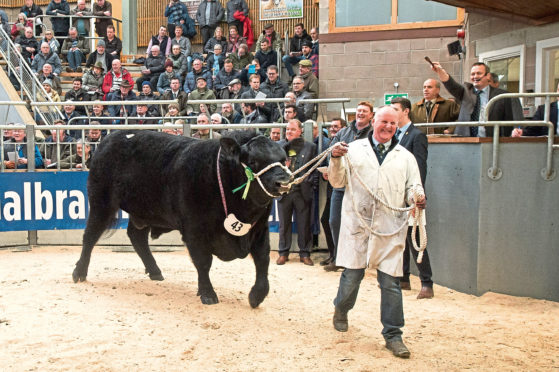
x=120, y=320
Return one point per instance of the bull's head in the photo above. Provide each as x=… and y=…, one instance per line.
x=257, y=154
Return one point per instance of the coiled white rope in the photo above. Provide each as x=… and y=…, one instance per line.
x=417, y=215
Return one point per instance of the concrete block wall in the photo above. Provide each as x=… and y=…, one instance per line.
x=365, y=70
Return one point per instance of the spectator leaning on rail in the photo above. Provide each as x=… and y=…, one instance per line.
x=434, y=109
x=295, y=48
x=100, y=55
x=33, y=12
x=229, y=114
x=102, y=8
x=46, y=56
x=81, y=158
x=473, y=98
x=113, y=44
x=57, y=143
x=75, y=48
x=80, y=22
x=392, y=173
x=60, y=25
x=539, y=115
x=208, y=16
x=203, y=119
x=16, y=148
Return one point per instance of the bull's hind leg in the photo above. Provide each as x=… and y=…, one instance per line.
x=203, y=262
x=99, y=220
x=139, y=239
x=260, y=252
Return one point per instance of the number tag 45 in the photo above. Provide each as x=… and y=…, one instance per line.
x=236, y=227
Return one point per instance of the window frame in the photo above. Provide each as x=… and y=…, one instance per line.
x=393, y=25
x=542, y=58
x=513, y=51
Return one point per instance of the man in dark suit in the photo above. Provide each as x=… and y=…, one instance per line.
x=415, y=141
x=473, y=98
x=299, y=200
x=539, y=116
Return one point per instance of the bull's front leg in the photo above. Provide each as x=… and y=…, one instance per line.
x=203, y=262
x=260, y=252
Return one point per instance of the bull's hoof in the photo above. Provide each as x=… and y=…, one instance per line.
x=158, y=277
x=208, y=297
x=77, y=277
x=257, y=295
x=209, y=300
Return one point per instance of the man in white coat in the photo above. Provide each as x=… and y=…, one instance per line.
x=371, y=235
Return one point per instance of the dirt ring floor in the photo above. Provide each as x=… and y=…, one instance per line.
x=120, y=320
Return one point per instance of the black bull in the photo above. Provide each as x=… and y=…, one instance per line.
x=167, y=183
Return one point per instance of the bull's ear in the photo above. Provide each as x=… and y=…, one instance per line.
x=231, y=148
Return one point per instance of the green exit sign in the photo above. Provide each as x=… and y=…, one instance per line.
x=389, y=96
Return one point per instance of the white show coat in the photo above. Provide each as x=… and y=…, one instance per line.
x=393, y=181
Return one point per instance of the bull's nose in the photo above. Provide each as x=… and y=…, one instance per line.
x=283, y=187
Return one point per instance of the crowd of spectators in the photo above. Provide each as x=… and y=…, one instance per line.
x=226, y=68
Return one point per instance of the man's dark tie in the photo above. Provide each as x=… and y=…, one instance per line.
x=475, y=113
x=381, y=148
x=428, y=107
x=398, y=131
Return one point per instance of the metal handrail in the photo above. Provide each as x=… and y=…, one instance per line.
x=547, y=173
x=25, y=75
x=495, y=172
x=91, y=36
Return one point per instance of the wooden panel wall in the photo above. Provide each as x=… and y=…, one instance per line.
x=150, y=17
